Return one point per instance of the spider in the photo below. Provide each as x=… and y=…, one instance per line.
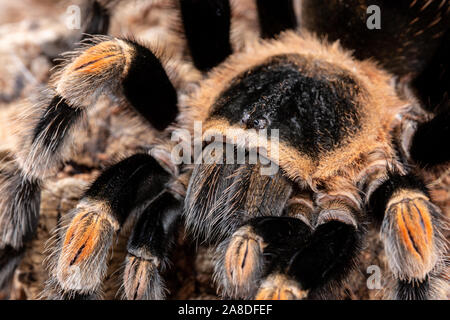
x=349, y=146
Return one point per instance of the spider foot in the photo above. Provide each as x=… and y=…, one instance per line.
x=413, y=244
x=141, y=279
x=411, y=230
x=244, y=261
x=148, y=249
x=81, y=262
x=19, y=214
x=255, y=250
x=280, y=287
x=409, y=235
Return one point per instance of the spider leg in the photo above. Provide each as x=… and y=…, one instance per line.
x=411, y=230
x=109, y=65
x=98, y=19
x=220, y=199
x=432, y=86
x=79, y=261
x=322, y=261
x=221, y=196
x=207, y=29
x=148, y=247
x=429, y=147
x=19, y=207
x=275, y=17
x=255, y=250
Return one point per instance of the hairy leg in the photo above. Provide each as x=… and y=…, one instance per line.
x=322, y=261
x=19, y=214
x=79, y=259
x=259, y=248
x=429, y=145
x=411, y=229
x=46, y=130
x=432, y=86
x=98, y=19
x=221, y=196
x=207, y=29
x=148, y=248
x=276, y=17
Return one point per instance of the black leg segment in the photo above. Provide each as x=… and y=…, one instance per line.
x=55, y=124
x=98, y=19
x=148, y=248
x=283, y=237
x=88, y=231
x=148, y=88
x=128, y=184
x=155, y=228
x=207, y=29
x=430, y=145
x=432, y=85
x=329, y=255
x=19, y=215
x=261, y=246
x=275, y=17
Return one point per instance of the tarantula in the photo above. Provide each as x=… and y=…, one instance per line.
x=346, y=145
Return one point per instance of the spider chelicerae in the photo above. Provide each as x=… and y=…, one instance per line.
x=347, y=151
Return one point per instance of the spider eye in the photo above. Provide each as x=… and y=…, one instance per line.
x=258, y=122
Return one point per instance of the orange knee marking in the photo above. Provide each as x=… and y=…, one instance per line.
x=242, y=257
x=424, y=214
x=242, y=260
x=81, y=237
x=276, y=294
x=415, y=227
x=286, y=295
x=280, y=288
x=97, y=58
x=404, y=231
x=267, y=294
